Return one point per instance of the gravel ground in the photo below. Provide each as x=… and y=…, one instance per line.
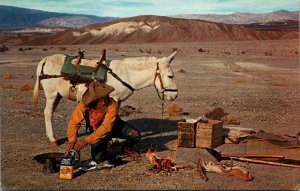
x=262, y=91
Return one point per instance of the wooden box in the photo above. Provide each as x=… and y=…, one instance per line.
x=186, y=134
x=210, y=134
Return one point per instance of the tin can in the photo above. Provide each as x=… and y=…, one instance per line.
x=66, y=172
x=48, y=166
x=67, y=165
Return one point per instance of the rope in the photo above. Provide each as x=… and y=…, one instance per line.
x=162, y=116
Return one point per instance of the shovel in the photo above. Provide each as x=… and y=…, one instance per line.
x=243, y=157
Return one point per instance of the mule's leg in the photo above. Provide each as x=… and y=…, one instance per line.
x=51, y=104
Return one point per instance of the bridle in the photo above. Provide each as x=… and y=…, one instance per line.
x=163, y=89
x=162, y=92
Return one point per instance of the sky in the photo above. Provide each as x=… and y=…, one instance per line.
x=129, y=8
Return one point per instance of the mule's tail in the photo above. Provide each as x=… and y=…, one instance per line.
x=36, y=92
x=37, y=83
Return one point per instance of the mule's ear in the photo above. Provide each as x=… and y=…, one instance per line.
x=167, y=60
x=171, y=57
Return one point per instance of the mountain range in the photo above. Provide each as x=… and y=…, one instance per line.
x=245, y=18
x=139, y=29
x=155, y=29
x=14, y=18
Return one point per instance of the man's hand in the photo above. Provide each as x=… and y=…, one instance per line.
x=70, y=146
x=80, y=145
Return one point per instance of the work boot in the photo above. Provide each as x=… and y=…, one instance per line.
x=127, y=151
x=99, y=157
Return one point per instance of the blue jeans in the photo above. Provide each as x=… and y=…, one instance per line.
x=120, y=129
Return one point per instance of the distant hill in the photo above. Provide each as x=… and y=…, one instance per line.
x=245, y=18
x=288, y=24
x=14, y=18
x=156, y=29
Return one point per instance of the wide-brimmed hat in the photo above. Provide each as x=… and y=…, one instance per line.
x=95, y=92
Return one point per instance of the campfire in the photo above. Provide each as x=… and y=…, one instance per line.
x=159, y=163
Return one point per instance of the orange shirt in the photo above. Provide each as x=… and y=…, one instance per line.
x=99, y=132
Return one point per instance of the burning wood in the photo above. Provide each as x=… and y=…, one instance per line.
x=159, y=163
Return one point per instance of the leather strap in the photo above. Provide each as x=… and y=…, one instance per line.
x=163, y=89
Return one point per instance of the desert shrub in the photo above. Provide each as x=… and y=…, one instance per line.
x=268, y=53
x=201, y=50
x=4, y=48
x=149, y=51
x=174, y=109
x=45, y=49
x=296, y=52
x=174, y=49
x=7, y=86
x=27, y=87
x=181, y=71
x=21, y=49
x=216, y=113
x=243, y=52
x=21, y=102
x=240, y=81
x=231, y=120
x=62, y=48
x=159, y=52
x=141, y=51
x=127, y=110
x=117, y=50
x=227, y=52
x=7, y=76
x=278, y=84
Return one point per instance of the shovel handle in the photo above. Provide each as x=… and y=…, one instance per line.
x=265, y=162
x=253, y=156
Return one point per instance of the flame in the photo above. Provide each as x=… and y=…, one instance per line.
x=151, y=155
x=173, y=150
x=158, y=162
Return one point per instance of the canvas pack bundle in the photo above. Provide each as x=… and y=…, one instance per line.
x=273, y=144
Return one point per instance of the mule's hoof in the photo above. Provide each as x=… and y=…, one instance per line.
x=54, y=144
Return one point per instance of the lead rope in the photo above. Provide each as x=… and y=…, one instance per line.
x=162, y=115
x=161, y=97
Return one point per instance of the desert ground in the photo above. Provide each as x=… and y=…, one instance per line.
x=258, y=82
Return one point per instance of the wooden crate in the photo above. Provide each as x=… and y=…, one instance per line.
x=186, y=134
x=210, y=134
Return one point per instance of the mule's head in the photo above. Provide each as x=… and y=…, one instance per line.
x=166, y=85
